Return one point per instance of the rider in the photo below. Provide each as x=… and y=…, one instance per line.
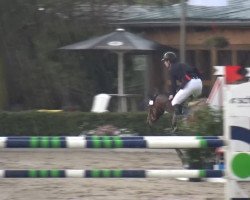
x=188, y=77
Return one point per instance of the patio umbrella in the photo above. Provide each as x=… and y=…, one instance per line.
x=119, y=41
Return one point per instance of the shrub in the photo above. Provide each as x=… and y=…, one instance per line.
x=203, y=122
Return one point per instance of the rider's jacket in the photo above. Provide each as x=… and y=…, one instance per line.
x=182, y=73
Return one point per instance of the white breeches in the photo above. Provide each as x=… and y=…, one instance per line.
x=193, y=87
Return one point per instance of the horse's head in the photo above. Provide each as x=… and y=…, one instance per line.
x=157, y=107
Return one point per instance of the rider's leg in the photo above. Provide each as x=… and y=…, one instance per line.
x=193, y=87
x=179, y=98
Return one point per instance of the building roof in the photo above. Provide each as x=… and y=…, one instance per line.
x=236, y=13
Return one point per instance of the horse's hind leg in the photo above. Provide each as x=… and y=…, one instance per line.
x=178, y=151
x=181, y=156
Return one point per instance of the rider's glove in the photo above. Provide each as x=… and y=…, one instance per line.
x=170, y=97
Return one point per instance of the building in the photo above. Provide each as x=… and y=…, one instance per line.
x=214, y=35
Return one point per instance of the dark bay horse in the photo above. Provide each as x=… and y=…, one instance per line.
x=160, y=104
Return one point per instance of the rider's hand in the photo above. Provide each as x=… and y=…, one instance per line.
x=170, y=97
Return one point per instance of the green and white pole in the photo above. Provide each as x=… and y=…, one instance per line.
x=110, y=173
x=54, y=142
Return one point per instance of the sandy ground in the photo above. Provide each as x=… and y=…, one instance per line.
x=101, y=189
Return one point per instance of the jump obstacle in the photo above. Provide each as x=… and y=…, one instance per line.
x=151, y=142
x=236, y=138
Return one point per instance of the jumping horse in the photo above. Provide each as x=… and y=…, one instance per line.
x=160, y=104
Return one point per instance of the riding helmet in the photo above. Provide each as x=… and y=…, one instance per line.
x=171, y=56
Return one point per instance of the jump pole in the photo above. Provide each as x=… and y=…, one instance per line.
x=96, y=137
x=108, y=173
x=82, y=143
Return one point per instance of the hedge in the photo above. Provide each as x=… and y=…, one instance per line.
x=203, y=122
x=37, y=123
x=74, y=123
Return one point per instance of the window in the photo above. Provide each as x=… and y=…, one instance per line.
x=224, y=57
x=202, y=60
x=204, y=63
x=135, y=74
x=243, y=58
x=190, y=57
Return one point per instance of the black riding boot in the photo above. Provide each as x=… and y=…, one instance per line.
x=178, y=109
x=178, y=112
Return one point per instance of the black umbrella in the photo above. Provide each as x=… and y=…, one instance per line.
x=119, y=41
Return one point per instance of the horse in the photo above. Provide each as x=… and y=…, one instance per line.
x=160, y=104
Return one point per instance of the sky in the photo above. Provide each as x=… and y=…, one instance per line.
x=208, y=2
